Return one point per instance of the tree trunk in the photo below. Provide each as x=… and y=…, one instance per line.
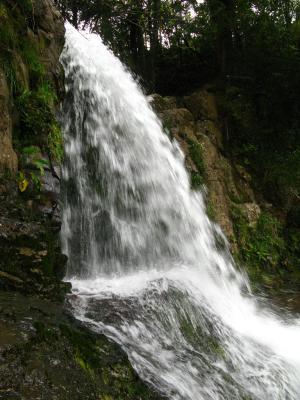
x=154, y=24
x=136, y=39
x=222, y=15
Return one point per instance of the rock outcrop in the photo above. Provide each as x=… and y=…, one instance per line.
x=8, y=157
x=194, y=122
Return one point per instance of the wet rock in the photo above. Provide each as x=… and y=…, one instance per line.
x=46, y=354
x=202, y=105
x=178, y=117
x=212, y=130
x=219, y=182
x=161, y=104
x=157, y=102
x=31, y=259
x=250, y=211
x=50, y=33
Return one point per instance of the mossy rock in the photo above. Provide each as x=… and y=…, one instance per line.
x=54, y=356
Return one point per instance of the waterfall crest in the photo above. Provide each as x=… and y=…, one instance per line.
x=143, y=259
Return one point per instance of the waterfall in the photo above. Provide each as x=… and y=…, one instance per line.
x=144, y=262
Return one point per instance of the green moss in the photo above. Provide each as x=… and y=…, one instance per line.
x=35, y=105
x=196, y=180
x=167, y=128
x=35, y=117
x=10, y=73
x=55, y=142
x=39, y=126
x=210, y=210
x=27, y=8
x=84, y=365
x=106, y=397
x=106, y=366
x=195, y=153
x=216, y=348
x=30, y=54
x=8, y=34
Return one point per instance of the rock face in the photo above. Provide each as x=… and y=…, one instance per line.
x=194, y=122
x=8, y=157
x=49, y=33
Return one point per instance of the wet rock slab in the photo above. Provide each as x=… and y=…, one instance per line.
x=46, y=354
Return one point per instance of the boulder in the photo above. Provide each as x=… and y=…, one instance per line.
x=202, y=104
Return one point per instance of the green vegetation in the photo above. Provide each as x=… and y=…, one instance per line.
x=36, y=117
x=210, y=210
x=30, y=54
x=8, y=33
x=15, y=46
x=268, y=250
x=195, y=152
x=34, y=97
x=39, y=126
x=55, y=142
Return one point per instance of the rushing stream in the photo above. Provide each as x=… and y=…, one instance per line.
x=143, y=257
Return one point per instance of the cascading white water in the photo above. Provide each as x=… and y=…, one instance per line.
x=143, y=259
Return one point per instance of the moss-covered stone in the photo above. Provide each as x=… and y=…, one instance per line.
x=52, y=356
